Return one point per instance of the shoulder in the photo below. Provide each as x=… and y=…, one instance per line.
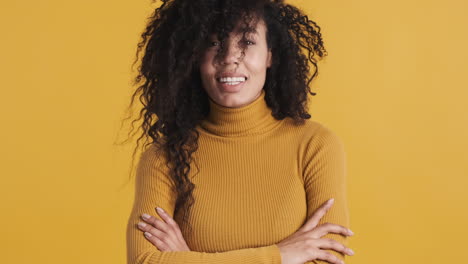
x=313, y=131
x=152, y=156
x=152, y=169
x=322, y=149
x=317, y=136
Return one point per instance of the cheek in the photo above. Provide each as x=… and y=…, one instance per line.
x=257, y=62
x=206, y=69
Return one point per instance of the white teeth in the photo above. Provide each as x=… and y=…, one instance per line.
x=233, y=83
x=232, y=79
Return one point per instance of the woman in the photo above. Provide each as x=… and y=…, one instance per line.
x=241, y=173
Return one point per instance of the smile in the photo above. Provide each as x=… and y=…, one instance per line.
x=231, y=80
x=231, y=84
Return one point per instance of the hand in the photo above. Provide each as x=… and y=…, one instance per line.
x=306, y=243
x=166, y=236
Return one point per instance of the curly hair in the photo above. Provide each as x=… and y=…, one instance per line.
x=169, y=82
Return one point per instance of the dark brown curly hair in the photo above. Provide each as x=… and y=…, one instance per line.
x=169, y=83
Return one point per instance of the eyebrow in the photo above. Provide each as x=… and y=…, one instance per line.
x=253, y=31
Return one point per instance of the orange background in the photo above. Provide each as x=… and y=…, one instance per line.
x=393, y=87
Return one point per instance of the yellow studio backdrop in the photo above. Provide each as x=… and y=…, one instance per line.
x=393, y=87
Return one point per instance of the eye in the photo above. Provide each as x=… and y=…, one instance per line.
x=249, y=42
x=214, y=43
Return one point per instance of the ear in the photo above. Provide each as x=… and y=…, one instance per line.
x=270, y=55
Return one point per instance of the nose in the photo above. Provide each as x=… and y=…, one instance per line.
x=232, y=53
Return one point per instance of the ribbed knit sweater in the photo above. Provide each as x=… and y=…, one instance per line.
x=257, y=181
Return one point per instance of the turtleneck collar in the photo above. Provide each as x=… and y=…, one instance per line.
x=251, y=119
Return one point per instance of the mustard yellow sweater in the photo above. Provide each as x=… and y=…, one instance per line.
x=257, y=180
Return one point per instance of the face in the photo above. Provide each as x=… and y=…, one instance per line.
x=235, y=80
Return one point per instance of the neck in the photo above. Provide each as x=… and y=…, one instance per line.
x=253, y=118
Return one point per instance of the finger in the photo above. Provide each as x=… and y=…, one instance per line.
x=170, y=235
x=167, y=218
x=154, y=234
x=161, y=225
x=326, y=228
x=150, y=229
x=156, y=241
x=318, y=214
x=328, y=243
x=154, y=221
x=329, y=257
x=171, y=222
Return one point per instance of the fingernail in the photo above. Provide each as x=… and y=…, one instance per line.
x=351, y=251
x=146, y=216
x=141, y=224
x=351, y=232
x=331, y=200
x=148, y=234
x=159, y=210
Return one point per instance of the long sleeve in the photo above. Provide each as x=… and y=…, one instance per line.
x=154, y=188
x=325, y=178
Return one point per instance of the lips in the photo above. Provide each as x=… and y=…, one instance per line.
x=231, y=88
x=226, y=75
x=219, y=80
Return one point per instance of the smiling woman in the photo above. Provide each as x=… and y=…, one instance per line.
x=239, y=170
x=237, y=77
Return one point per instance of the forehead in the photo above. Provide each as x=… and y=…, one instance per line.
x=256, y=28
